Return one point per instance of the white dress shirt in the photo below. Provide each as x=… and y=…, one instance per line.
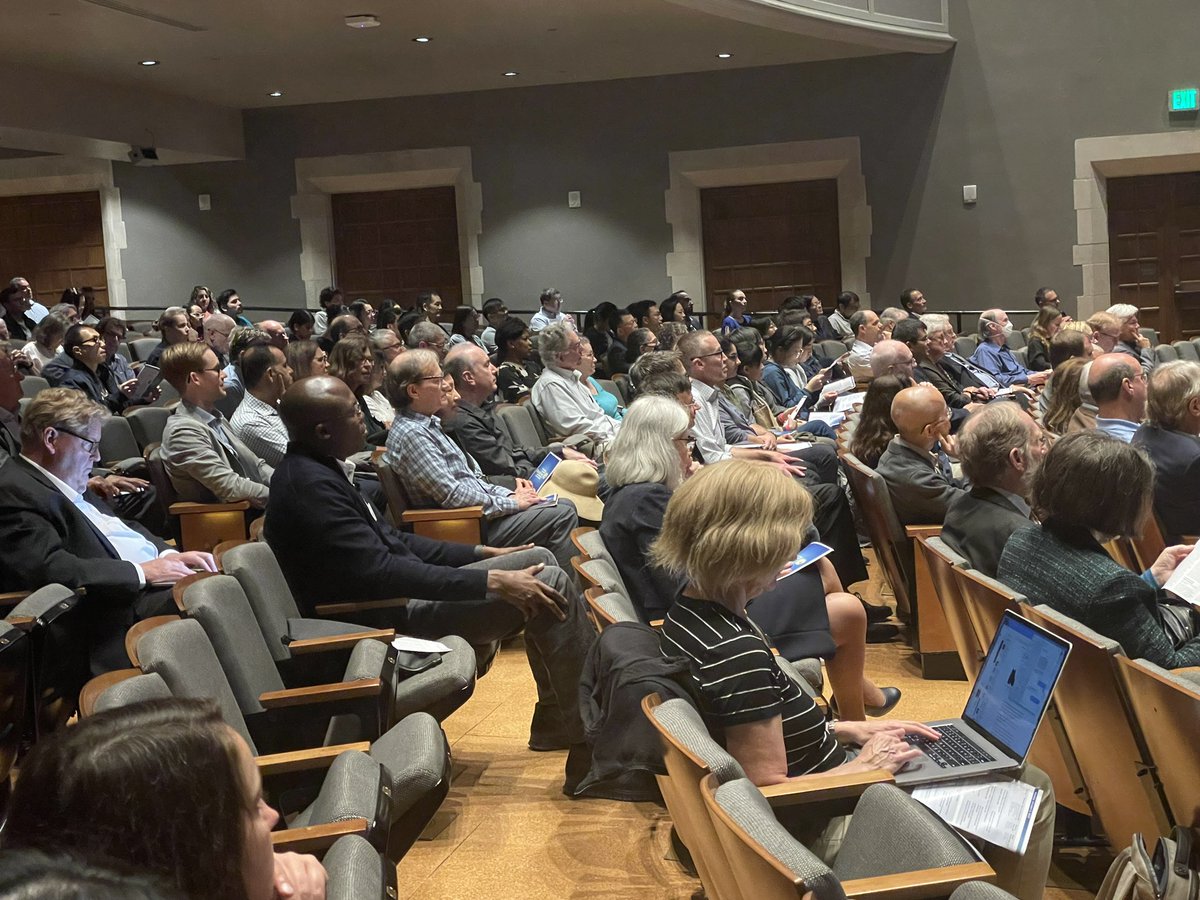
x=541, y=319
x=562, y=398
x=707, y=432
x=859, y=361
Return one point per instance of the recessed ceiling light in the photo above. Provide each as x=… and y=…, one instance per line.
x=148, y=62
x=724, y=55
x=421, y=40
x=511, y=74
x=275, y=94
x=363, y=21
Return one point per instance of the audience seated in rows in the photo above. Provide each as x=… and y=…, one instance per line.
x=735, y=312
x=994, y=356
x=726, y=534
x=428, y=336
x=616, y=354
x=1171, y=438
x=915, y=464
x=516, y=367
x=175, y=329
x=241, y=340
x=839, y=319
x=1066, y=398
x=56, y=529
x=353, y=361
x=807, y=614
x=889, y=318
x=670, y=333
x=913, y=302
x=1044, y=329
x=482, y=593
x=97, y=791
x=550, y=312
x=494, y=312
x=608, y=401
x=1001, y=447
x=307, y=358
x=230, y=303
x=562, y=396
x=435, y=472
x=1118, y=386
x=958, y=380
x=90, y=373
x=204, y=459
x=1092, y=487
x=46, y=343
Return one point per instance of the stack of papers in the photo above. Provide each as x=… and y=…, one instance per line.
x=832, y=419
x=419, y=645
x=847, y=402
x=840, y=386
x=1184, y=582
x=997, y=809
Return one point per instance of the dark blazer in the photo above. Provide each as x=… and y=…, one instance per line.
x=615, y=359
x=333, y=547
x=947, y=385
x=633, y=516
x=1072, y=573
x=921, y=489
x=44, y=540
x=476, y=430
x=978, y=525
x=20, y=326
x=1176, y=458
x=99, y=386
x=960, y=369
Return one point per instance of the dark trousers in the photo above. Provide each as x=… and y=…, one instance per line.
x=832, y=515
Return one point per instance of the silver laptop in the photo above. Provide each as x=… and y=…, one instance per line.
x=1006, y=706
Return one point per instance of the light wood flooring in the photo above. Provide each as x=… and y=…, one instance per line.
x=510, y=833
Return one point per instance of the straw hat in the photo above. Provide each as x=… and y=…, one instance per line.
x=577, y=481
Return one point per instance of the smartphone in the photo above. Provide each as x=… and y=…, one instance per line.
x=549, y=500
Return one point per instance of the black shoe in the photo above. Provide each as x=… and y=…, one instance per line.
x=880, y=613
x=546, y=731
x=579, y=763
x=882, y=633
x=891, y=696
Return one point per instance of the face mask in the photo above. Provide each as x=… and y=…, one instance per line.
x=1007, y=328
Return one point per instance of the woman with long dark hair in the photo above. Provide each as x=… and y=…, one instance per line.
x=875, y=428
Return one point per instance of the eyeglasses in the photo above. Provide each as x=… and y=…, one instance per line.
x=431, y=378
x=94, y=340
x=217, y=368
x=707, y=355
x=91, y=445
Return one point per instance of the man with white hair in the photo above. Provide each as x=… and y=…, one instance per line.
x=217, y=329
x=1171, y=436
x=1131, y=340
x=890, y=357
x=561, y=395
x=993, y=354
x=889, y=317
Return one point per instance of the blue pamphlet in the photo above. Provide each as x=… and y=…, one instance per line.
x=544, y=470
x=805, y=558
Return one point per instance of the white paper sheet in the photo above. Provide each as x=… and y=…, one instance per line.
x=419, y=645
x=997, y=809
x=792, y=446
x=832, y=419
x=1184, y=582
x=840, y=386
x=846, y=402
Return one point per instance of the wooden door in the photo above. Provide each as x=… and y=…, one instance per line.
x=396, y=244
x=1154, y=250
x=56, y=241
x=772, y=241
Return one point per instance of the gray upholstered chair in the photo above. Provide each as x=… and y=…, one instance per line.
x=141, y=348
x=412, y=758
x=600, y=573
x=350, y=796
x=1186, y=350
x=58, y=655
x=119, y=449
x=588, y=542
x=14, y=710
x=523, y=424
x=1165, y=353
x=147, y=424
x=293, y=639
x=980, y=890
x=889, y=834
x=357, y=872
x=32, y=384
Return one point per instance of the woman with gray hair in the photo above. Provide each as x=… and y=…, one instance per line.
x=1131, y=339
x=806, y=614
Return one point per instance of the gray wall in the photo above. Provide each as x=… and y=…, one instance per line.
x=1001, y=111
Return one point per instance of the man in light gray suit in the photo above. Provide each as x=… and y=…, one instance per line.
x=204, y=459
x=1000, y=446
x=914, y=465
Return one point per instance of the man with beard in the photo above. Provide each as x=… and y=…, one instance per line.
x=1000, y=447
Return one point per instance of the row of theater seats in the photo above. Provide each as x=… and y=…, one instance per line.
x=1115, y=741
x=345, y=727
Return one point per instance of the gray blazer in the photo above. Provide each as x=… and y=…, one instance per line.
x=978, y=525
x=921, y=490
x=203, y=469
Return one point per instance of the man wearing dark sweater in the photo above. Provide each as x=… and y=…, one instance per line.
x=333, y=546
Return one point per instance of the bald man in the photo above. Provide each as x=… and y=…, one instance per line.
x=914, y=465
x=277, y=332
x=890, y=357
x=993, y=354
x=1119, y=386
x=334, y=547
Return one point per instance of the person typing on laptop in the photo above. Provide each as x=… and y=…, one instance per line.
x=728, y=531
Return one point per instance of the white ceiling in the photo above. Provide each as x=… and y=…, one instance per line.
x=246, y=48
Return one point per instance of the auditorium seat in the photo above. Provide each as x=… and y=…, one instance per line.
x=942, y=561
x=14, y=706
x=357, y=871
x=1165, y=353
x=119, y=448
x=1186, y=350
x=460, y=525
x=147, y=424
x=588, y=542
x=141, y=348
x=32, y=384
x=196, y=526
x=58, y=650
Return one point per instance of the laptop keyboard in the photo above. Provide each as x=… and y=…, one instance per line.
x=953, y=751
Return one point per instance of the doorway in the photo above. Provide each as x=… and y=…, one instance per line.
x=56, y=241
x=1154, y=250
x=771, y=241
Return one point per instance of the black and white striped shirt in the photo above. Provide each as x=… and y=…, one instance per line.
x=739, y=682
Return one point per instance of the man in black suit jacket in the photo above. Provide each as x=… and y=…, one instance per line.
x=1000, y=447
x=53, y=529
x=1170, y=437
x=333, y=546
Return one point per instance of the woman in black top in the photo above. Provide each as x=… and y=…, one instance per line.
x=727, y=533
x=515, y=376
x=1049, y=320
x=807, y=614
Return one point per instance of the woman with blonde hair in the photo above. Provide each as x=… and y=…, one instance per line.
x=1065, y=397
x=807, y=614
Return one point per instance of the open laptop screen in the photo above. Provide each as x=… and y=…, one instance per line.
x=1016, y=683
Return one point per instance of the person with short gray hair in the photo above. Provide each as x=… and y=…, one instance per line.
x=1118, y=385
x=1130, y=338
x=650, y=365
x=993, y=354
x=561, y=395
x=1171, y=437
x=428, y=336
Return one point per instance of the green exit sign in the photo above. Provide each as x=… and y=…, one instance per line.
x=1183, y=100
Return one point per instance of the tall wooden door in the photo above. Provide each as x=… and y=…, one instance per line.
x=396, y=244
x=772, y=241
x=56, y=241
x=1154, y=250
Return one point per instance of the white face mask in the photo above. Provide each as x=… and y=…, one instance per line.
x=1007, y=328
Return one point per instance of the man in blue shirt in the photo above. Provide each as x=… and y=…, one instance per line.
x=993, y=354
x=1118, y=385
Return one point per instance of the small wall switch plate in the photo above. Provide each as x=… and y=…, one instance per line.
x=573, y=201
x=205, y=202
x=970, y=193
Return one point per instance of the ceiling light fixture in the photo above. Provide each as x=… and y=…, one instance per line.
x=421, y=40
x=275, y=94
x=511, y=74
x=724, y=56
x=362, y=21
x=148, y=62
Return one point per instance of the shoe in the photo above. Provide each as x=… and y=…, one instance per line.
x=891, y=696
x=882, y=633
x=875, y=613
x=579, y=764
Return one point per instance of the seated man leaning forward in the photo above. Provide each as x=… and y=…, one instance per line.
x=54, y=530
x=436, y=473
x=482, y=594
x=203, y=458
x=914, y=465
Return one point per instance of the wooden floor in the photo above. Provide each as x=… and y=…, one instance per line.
x=510, y=833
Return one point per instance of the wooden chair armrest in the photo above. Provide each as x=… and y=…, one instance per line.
x=96, y=686
x=1188, y=538
x=916, y=531
x=321, y=693
x=135, y=632
x=186, y=507
x=316, y=838
x=340, y=641
x=441, y=515
x=1186, y=670
x=657, y=624
x=922, y=883
x=25, y=623
x=336, y=609
x=12, y=598
x=305, y=760
x=820, y=788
